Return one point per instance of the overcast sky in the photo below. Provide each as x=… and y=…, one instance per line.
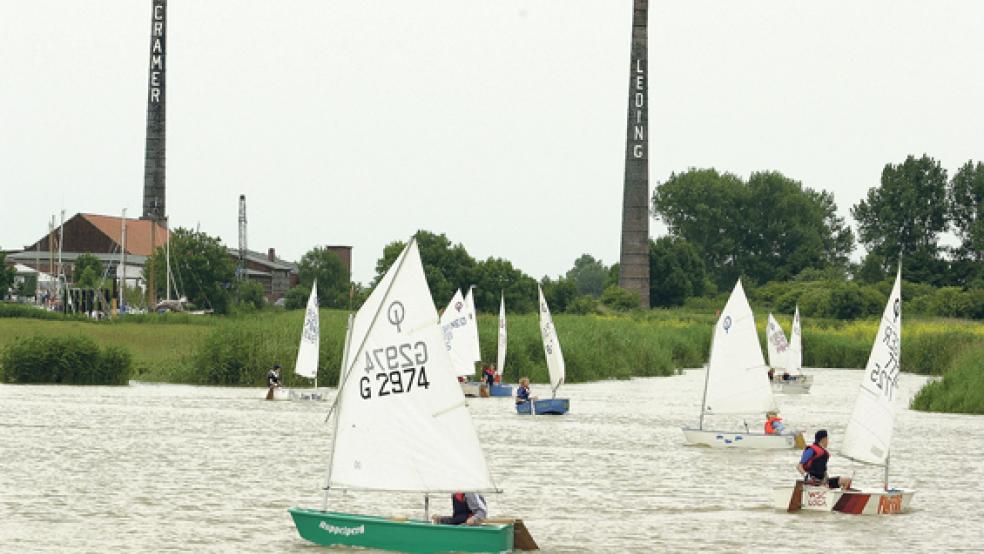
x=500, y=123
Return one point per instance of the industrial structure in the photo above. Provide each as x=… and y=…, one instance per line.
x=634, y=257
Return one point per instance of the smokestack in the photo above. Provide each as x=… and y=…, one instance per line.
x=272, y=254
x=154, y=207
x=634, y=259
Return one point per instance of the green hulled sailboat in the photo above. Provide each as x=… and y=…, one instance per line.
x=401, y=425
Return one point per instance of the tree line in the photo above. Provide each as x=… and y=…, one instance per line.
x=770, y=230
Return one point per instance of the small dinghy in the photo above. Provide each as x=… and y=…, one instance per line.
x=736, y=382
x=555, y=366
x=307, y=356
x=401, y=425
x=786, y=358
x=868, y=436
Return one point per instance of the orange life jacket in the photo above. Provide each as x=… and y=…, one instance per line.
x=769, y=429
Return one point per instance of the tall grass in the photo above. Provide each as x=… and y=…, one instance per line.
x=70, y=360
x=238, y=350
x=962, y=388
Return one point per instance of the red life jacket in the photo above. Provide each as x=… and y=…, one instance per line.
x=820, y=456
x=769, y=429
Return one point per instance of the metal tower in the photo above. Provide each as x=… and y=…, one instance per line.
x=241, y=270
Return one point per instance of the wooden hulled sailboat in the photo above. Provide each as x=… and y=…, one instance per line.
x=736, y=383
x=401, y=425
x=555, y=366
x=868, y=436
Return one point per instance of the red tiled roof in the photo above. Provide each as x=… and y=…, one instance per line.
x=137, y=232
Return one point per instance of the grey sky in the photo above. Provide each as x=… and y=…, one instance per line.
x=500, y=123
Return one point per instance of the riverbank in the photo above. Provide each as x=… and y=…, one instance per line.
x=238, y=350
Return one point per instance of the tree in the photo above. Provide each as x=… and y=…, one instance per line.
x=618, y=298
x=588, y=275
x=676, y=272
x=333, y=280
x=83, y=263
x=447, y=266
x=560, y=293
x=7, y=275
x=494, y=276
x=905, y=216
x=966, y=213
x=703, y=207
x=296, y=298
x=250, y=295
x=770, y=228
x=202, y=269
x=872, y=268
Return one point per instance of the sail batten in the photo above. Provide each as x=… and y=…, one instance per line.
x=868, y=435
x=401, y=424
x=737, y=379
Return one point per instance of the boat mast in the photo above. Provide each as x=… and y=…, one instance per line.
x=167, y=254
x=887, y=458
x=338, y=398
x=122, y=258
x=703, y=400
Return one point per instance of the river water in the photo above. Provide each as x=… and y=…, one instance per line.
x=170, y=468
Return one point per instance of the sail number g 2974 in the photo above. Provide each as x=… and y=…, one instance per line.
x=398, y=369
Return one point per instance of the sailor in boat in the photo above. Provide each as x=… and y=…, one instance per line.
x=273, y=377
x=786, y=376
x=523, y=391
x=488, y=374
x=772, y=374
x=773, y=423
x=468, y=508
x=813, y=464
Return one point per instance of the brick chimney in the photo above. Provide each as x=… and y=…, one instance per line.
x=272, y=254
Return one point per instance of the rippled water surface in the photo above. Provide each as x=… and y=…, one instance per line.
x=170, y=468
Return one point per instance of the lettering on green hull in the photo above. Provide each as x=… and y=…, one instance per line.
x=344, y=531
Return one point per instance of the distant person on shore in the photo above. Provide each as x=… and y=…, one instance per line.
x=523, y=391
x=468, y=508
x=813, y=464
x=773, y=423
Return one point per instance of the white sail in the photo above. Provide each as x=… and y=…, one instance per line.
x=456, y=330
x=403, y=424
x=551, y=345
x=737, y=380
x=794, y=355
x=776, y=344
x=307, y=353
x=472, y=333
x=500, y=358
x=869, y=432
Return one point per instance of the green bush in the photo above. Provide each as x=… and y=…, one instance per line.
x=617, y=298
x=69, y=360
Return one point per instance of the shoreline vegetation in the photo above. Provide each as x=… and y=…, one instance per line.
x=238, y=350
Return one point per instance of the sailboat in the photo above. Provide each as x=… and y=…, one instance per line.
x=736, y=382
x=500, y=388
x=868, y=436
x=459, y=327
x=307, y=354
x=555, y=366
x=786, y=358
x=401, y=425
